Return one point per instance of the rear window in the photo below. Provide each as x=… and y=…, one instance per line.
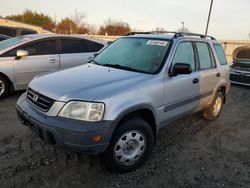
x=220, y=53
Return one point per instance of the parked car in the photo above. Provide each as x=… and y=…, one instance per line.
x=117, y=104
x=4, y=37
x=240, y=69
x=24, y=57
x=15, y=31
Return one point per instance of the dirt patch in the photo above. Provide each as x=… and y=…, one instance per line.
x=191, y=152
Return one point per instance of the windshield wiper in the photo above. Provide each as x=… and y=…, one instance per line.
x=122, y=67
x=95, y=62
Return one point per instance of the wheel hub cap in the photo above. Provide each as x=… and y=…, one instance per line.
x=217, y=106
x=129, y=148
x=2, y=87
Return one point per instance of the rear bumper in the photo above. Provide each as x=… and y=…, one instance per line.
x=70, y=134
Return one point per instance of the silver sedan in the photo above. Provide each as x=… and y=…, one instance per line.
x=24, y=57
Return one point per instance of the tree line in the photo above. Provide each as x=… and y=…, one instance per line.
x=73, y=24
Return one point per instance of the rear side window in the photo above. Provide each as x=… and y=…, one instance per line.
x=220, y=53
x=94, y=46
x=206, y=57
x=69, y=46
x=40, y=48
x=184, y=54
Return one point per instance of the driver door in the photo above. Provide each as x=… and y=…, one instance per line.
x=182, y=91
x=42, y=57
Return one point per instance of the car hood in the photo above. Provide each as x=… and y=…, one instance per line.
x=88, y=82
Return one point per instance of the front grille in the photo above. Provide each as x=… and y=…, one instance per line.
x=240, y=78
x=40, y=101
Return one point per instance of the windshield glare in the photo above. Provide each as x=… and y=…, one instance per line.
x=12, y=42
x=138, y=54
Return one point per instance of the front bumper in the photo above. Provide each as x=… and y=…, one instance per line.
x=70, y=134
x=242, y=78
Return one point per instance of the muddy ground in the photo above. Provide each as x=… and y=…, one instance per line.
x=191, y=152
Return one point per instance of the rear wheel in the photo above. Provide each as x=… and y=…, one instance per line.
x=130, y=146
x=214, y=110
x=4, y=87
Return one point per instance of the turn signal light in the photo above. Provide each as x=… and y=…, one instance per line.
x=97, y=138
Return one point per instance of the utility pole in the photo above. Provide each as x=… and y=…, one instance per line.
x=209, y=14
x=183, y=26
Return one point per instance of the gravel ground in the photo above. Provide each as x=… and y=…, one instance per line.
x=191, y=152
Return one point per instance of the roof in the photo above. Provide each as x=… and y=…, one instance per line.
x=41, y=36
x=168, y=35
x=156, y=36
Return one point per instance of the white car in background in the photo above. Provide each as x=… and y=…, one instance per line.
x=24, y=57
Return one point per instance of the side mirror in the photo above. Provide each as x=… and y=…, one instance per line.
x=181, y=68
x=21, y=53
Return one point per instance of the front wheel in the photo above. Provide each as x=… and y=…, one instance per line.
x=130, y=146
x=4, y=87
x=214, y=110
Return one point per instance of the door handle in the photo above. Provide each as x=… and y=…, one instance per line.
x=195, y=81
x=218, y=74
x=53, y=60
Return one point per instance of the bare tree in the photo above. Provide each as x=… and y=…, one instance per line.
x=159, y=29
x=77, y=17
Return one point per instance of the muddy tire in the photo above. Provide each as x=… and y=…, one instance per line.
x=130, y=146
x=4, y=87
x=214, y=110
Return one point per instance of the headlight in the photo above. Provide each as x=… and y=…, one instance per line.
x=85, y=111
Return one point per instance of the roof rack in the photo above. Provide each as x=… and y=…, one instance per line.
x=176, y=34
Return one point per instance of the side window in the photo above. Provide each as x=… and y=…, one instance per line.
x=36, y=48
x=27, y=32
x=94, y=46
x=40, y=48
x=220, y=53
x=8, y=32
x=206, y=57
x=184, y=54
x=73, y=46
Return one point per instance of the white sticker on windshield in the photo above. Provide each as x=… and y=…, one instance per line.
x=157, y=43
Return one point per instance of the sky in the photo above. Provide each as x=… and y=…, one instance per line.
x=229, y=19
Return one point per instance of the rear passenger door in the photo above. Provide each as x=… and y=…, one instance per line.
x=74, y=52
x=209, y=74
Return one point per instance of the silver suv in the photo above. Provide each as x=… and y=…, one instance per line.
x=117, y=104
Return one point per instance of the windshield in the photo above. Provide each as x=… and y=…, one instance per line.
x=135, y=54
x=12, y=42
x=246, y=62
